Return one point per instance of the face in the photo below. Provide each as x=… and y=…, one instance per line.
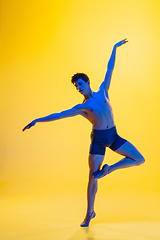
x=81, y=86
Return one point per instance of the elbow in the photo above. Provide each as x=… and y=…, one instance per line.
x=60, y=115
x=140, y=161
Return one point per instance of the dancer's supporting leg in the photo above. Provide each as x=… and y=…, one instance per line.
x=95, y=162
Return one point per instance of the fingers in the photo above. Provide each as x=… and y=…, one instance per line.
x=124, y=41
x=26, y=127
x=121, y=42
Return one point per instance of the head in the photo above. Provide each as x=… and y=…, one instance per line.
x=81, y=82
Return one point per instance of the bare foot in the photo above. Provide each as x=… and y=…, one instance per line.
x=101, y=173
x=87, y=219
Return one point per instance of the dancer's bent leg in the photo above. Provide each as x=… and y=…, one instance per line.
x=132, y=157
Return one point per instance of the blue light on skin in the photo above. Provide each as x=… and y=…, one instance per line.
x=132, y=157
x=84, y=88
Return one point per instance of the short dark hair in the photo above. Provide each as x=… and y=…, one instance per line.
x=77, y=76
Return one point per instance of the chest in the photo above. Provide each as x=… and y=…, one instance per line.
x=98, y=104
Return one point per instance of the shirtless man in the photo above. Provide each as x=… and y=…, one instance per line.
x=97, y=109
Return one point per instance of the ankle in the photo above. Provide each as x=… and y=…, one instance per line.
x=89, y=212
x=111, y=169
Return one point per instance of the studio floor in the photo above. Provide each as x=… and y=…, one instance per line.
x=58, y=217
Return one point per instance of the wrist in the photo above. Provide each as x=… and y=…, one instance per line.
x=115, y=47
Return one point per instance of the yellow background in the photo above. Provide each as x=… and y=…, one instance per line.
x=43, y=43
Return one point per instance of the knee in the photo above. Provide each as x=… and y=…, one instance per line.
x=140, y=160
x=93, y=184
x=95, y=188
x=92, y=181
x=91, y=178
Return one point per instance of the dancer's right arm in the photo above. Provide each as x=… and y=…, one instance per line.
x=76, y=110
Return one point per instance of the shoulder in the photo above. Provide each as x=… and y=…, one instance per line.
x=81, y=109
x=102, y=91
x=80, y=106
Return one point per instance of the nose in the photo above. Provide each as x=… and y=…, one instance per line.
x=79, y=89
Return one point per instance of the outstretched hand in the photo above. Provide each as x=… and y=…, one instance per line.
x=121, y=43
x=29, y=125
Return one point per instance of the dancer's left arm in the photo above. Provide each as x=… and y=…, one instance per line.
x=110, y=66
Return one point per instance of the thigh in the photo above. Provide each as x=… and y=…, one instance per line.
x=95, y=162
x=128, y=150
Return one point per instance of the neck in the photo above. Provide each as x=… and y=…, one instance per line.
x=88, y=95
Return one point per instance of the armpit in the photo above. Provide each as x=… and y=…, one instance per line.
x=84, y=114
x=103, y=91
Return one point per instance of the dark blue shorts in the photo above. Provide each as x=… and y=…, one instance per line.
x=100, y=139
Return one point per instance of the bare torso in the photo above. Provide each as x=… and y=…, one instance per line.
x=98, y=111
